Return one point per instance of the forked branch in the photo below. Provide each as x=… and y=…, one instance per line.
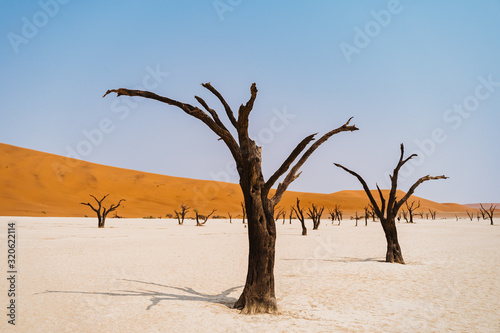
x=292, y=174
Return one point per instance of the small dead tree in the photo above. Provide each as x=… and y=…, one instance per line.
x=371, y=213
x=488, y=212
x=202, y=219
x=411, y=209
x=478, y=217
x=230, y=217
x=244, y=212
x=331, y=212
x=356, y=217
x=405, y=215
x=335, y=213
x=366, y=215
x=299, y=212
x=100, y=210
x=182, y=214
x=279, y=214
x=470, y=215
x=291, y=216
x=314, y=214
x=388, y=210
x=433, y=213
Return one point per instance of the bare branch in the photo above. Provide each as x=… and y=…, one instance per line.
x=229, y=112
x=367, y=190
x=408, y=194
x=286, y=164
x=292, y=175
x=193, y=111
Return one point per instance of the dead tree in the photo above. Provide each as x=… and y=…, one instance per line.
x=488, y=212
x=478, y=216
x=470, y=215
x=299, y=212
x=411, y=209
x=405, y=215
x=279, y=214
x=258, y=295
x=230, y=217
x=331, y=212
x=314, y=214
x=388, y=210
x=202, y=219
x=291, y=216
x=336, y=213
x=244, y=212
x=182, y=214
x=100, y=210
x=366, y=215
x=371, y=212
x=433, y=213
x=357, y=218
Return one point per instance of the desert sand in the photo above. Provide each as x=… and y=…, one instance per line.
x=140, y=275
x=39, y=184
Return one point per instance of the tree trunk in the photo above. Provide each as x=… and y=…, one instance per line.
x=258, y=294
x=304, y=229
x=100, y=221
x=393, y=254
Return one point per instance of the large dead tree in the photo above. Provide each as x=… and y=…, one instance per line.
x=182, y=214
x=488, y=212
x=258, y=295
x=387, y=211
x=100, y=210
x=411, y=209
x=299, y=212
x=314, y=214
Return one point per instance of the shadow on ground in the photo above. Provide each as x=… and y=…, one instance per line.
x=183, y=294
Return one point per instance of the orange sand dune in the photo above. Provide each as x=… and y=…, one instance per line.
x=39, y=184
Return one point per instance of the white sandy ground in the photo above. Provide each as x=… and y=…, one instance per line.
x=156, y=276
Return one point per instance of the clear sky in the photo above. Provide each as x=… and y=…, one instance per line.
x=422, y=73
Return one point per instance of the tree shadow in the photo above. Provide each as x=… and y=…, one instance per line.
x=186, y=294
x=343, y=259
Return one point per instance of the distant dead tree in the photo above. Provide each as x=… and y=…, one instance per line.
x=387, y=211
x=291, y=216
x=230, y=217
x=244, y=212
x=405, y=215
x=356, y=217
x=202, y=219
x=366, y=215
x=258, y=294
x=478, y=216
x=335, y=213
x=488, y=212
x=100, y=210
x=433, y=213
x=411, y=209
x=470, y=215
x=483, y=213
x=182, y=214
x=299, y=212
x=314, y=214
x=371, y=213
x=280, y=214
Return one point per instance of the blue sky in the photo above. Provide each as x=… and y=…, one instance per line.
x=422, y=73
